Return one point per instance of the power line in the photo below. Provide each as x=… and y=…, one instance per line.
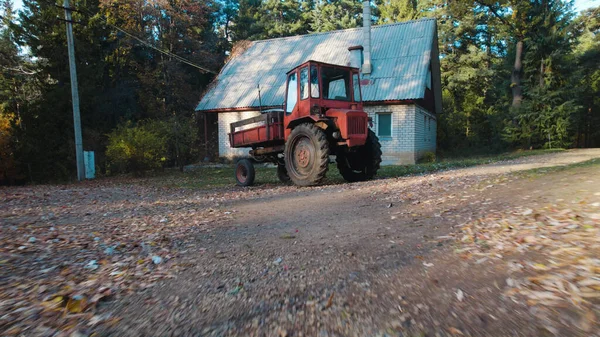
x=148, y=44
x=140, y=40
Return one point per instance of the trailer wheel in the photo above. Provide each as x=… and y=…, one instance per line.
x=363, y=163
x=282, y=174
x=244, y=173
x=307, y=155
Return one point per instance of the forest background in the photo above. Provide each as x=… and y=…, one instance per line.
x=516, y=74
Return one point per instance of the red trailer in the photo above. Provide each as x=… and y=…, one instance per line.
x=322, y=116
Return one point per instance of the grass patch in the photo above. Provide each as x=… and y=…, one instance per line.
x=537, y=172
x=215, y=178
x=456, y=162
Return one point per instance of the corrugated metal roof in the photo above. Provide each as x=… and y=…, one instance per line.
x=401, y=54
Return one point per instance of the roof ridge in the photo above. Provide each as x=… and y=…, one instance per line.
x=341, y=30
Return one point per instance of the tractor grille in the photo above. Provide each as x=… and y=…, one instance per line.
x=357, y=125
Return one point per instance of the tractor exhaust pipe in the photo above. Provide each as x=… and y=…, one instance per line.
x=366, y=68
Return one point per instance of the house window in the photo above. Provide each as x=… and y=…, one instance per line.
x=304, y=83
x=384, y=124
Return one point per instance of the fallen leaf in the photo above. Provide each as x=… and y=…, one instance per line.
x=76, y=304
x=455, y=331
x=330, y=301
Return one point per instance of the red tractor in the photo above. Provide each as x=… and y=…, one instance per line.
x=322, y=116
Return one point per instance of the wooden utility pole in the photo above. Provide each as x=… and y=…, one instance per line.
x=74, y=93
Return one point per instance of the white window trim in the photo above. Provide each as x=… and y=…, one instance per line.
x=391, y=124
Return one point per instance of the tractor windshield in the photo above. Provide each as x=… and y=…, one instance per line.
x=336, y=83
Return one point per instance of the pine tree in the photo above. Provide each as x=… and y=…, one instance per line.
x=336, y=14
x=398, y=10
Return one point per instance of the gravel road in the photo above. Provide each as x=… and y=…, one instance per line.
x=366, y=259
x=377, y=258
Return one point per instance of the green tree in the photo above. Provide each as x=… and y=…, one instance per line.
x=336, y=14
x=398, y=10
x=586, y=77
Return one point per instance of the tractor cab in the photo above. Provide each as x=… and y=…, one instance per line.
x=328, y=93
x=313, y=87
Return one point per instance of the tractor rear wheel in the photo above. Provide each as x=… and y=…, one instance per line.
x=363, y=163
x=244, y=172
x=307, y=155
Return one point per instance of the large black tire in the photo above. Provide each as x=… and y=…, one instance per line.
x=361, y=164
x=244, y=173
x=282, y=174
x=307, y=155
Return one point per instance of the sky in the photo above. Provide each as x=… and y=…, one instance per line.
x=579, y=4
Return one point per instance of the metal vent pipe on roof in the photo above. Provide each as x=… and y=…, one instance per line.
x=366, y=68
x=356, y=55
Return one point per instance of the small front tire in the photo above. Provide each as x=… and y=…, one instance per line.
x=282, y=174
x=363, y=163
x=244, y=173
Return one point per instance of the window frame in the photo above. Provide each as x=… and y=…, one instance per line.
x=355, y=86
x=305, y=68
x=310, y=80
x=349, y=88
x=378, y=120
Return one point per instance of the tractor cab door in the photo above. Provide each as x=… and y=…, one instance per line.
x=302, y=91
x=291, y=98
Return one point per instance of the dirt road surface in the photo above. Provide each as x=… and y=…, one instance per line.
x=383, y=258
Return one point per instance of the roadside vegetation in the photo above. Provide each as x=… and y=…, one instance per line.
x=211, y=177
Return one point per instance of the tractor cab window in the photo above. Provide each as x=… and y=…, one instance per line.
x=304, y=83
x=292, y=93
x=314, y=82
x=356, y=85
x=336, y=83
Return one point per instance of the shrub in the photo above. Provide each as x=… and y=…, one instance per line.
x=9, y=172
x=428, y=157
x=181, y=135
x=135, y=148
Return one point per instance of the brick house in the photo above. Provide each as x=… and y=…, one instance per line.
x=400, y=77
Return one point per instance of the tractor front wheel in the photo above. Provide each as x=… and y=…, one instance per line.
x=282, y=174
x=244, y=172
x=307, y=155
x=362, y=163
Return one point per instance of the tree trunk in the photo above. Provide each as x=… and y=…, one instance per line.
x=516, y=76
x=542, y=70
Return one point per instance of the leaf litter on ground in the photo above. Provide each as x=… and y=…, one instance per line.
x=554, y=250
x=63, y=252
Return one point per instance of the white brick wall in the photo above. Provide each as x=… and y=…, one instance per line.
x=399, y=149
x=226, y=118
x=425, y=132
x=412, y=133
